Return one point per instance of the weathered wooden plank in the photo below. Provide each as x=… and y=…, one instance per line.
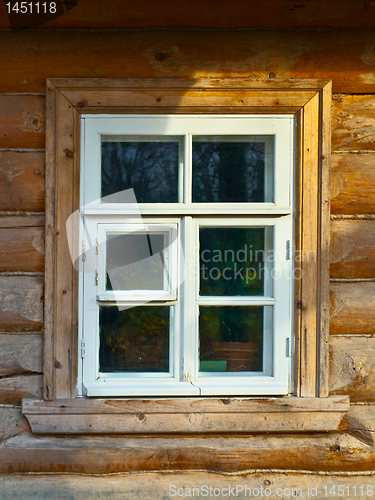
x=344, y=56
x=12, y=423
x=20, y=354
x=22, y=121
x=21, y=303
x=65, y=322
x=184, y=98
x=185, y=423
x=352, y=249
x=353, y=123
x=22, y=249
x=309, y=237
x=352, y=308
x=352, y=367
x=22, y=181
x=270, y=14
x=13, y=389
x=322, y=452
x=21, y=221
x=159, y=485
x=353, y=183
x=185, y=405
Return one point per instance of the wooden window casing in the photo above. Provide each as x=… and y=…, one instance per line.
x=310, y=102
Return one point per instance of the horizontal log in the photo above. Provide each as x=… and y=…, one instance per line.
x=22, y=121
x=20, y=354
x=361, y=423
x=270, y=14
x=22, y=249
x=21, y=221
x=353, y=183
x=14, y=389
x=353, y=123
x=21, y=303
x=159, y=485
x=22, y=181
x=352, y=253
x=98, y=455
x=344, y=56
x=352, y=308
x=352, y=367
x=12, y=423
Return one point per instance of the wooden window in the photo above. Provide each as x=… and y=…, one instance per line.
x=219, y=323
x=309, y=407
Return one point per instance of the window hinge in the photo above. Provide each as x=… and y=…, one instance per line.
x=83, y=348
x=97, y=247
x=83, y=251
x=287, y=349
x=96, y=278
x=288, y=250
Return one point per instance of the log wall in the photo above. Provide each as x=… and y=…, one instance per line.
x=27, y=59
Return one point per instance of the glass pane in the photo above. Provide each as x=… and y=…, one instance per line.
x=134, y=340
x=232, y=169
x=232, y=261
x=136, y=261
x=231, y=338
x=148, y=165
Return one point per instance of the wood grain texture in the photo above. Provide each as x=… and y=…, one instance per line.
x=361, y=422
x=242, y=14
x=310, y=214
x=353, y=183
x=22, y=121
x=12, y=423
x=85, y=416
x=21, y=303
x=353, y=123
x=353, y=249
x=13, y=389
x=185, y=423
x=352, y=308
x=20, y=354
x=22, y=181
x=22, y=221
x=159, y=485
x=84, y=406
x=345, y=56
x=352, y=367
x=22, y=249
x=323, y=452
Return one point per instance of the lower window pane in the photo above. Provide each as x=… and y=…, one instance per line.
x=134, y=340
x=231, y=338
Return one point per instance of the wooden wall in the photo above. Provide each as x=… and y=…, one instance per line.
x=26, y=60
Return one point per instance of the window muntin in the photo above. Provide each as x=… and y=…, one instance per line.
x=268, y=372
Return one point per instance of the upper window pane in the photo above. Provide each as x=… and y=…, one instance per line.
x=232, y=169
x=149, y=165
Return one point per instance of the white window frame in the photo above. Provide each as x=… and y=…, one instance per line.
x=184, y=378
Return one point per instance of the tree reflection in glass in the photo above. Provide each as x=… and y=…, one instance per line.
x=150, y=167
x=134, y=340
x=228, y=169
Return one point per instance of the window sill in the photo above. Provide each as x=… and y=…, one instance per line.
x=185, y=415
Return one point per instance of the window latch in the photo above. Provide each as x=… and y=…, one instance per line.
x=288, y=250
x=287, y=348
x=83, y=348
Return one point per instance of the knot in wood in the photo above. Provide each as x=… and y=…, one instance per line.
x=141, y=416
x=160, y=56
x=58, y=364
x=68, y=153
